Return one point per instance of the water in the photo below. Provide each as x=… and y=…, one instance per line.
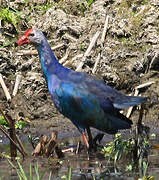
x=82, y=165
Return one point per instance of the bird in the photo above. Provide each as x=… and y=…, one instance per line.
x=84, y=99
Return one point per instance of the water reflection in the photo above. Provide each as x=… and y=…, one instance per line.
x=83, y=166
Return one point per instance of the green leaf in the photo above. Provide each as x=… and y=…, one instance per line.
x=31, y=176
x=20, y=124
x=10, y=16
x=22, y=171
x=90, y=2
x=64, y=177
x=70, y=174
x=3, y=122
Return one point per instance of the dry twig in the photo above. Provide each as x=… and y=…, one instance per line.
x=6, y=118
x=70, y=37
x=73, y=59
x=34, y=52
x=105, y=30
x=153, y=61
x=6, y=92
x=144, y=85
x=101, y=44
x=21, y=145
x=96, y=63
x=63, y=59
x=92, y=43
x=136, y=94
x=16, y=85
x=131, y=108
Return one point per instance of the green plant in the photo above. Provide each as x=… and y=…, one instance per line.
x=3, y=122
x=10, y=16
x=118, y=147
x=8, y=43
x=42, y=7
x=136, y=148
x=90, y=2
x=18, y=124
x=82, y=47
x=68, y=177
x=85, y=5
x=147, y=178
x=22, y=175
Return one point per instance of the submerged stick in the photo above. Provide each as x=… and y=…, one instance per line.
x=2, y=129
x=16, y=85
x=92, y=43
x=9, y=120
x=21, y=145
x=5, y=89
x=12, y=133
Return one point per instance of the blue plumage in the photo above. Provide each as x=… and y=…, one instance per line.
x=85, y=100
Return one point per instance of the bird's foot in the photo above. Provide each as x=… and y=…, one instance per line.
x=85, y=140
x=92, y=145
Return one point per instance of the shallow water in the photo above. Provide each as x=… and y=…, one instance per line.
x=83, y=166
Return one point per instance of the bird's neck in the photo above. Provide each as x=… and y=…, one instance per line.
x=49, y=63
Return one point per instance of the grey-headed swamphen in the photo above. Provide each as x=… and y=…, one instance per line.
x=85, y=100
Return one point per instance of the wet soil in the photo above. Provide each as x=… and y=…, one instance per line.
x=129, y=58
x=83, y=166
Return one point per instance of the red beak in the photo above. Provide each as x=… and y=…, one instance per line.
x=23, y=40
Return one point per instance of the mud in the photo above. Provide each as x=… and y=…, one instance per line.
x=129, y=56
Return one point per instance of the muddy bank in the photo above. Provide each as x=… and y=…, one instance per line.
x=128, y=57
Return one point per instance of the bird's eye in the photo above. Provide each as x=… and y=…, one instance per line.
x=31, y=34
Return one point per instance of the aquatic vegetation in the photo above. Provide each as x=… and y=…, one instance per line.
x=147, y=178
x=68, y=177
x=135, y=148
x=22, y=175
x=117, y=148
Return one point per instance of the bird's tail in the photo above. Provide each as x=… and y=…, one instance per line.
x=114, y=122
x=126, y=101
x=119, y=122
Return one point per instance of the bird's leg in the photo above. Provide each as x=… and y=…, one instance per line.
x=88, y=141
x=85, y=140
x=90, y=137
